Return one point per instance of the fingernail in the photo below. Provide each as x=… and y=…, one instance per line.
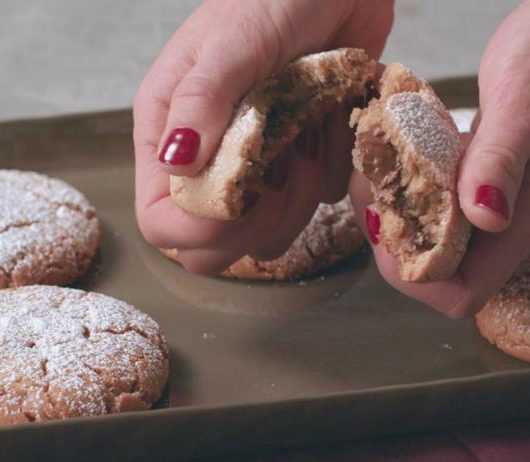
x=373, y=225
x=494, y=199
x=181, y=147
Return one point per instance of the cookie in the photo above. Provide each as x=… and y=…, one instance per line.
x=49, y=233
x=266, y=122
x=331, y=237
x=69, y=353
x=505, y=319
x=409, y=148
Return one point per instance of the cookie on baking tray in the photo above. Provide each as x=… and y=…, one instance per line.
x=331, y=237
x=505, y=319
x=408, y=146
x=49, y=233
x=69, y=353
x=266, y=122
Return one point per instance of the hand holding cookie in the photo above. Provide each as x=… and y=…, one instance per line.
x=493, y=183
x=186, y=103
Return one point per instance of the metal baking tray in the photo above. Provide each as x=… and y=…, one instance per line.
x=257, y=365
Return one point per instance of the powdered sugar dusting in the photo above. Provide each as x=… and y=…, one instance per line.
x=330, y=236
x=430, y=134
x=65, y=353
x=47, y=230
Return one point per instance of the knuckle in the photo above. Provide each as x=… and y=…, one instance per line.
x=198, y=86
x=265, y=45
x=509, y=163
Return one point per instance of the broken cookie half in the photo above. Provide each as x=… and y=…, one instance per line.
x=266, y=122
x=409, y=148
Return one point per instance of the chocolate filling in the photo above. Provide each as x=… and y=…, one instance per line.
x=410, y=205
x=291, y=107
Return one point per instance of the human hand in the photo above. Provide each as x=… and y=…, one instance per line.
x=211, y=62
x=494, y=180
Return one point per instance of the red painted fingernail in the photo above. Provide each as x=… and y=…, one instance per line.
x=373, y=224
x=494, y=199
x=181, y=147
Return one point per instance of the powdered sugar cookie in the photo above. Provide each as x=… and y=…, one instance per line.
x=68, y=353
x=408, y=146
x=49, y=232
x=331, y=237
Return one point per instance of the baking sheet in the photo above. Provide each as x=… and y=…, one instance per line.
x=258, y=364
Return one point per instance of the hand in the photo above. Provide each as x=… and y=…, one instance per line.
x=205, y=69
x=494, y=181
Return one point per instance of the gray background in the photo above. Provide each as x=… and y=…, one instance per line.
x=63, y=56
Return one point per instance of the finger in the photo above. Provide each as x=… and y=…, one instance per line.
x=494, y=165
x=301, y=200
x=258, y=226
x=203, y=102
x=493, y=257
x=207, y=262
x=447, y=297
x=166, y=226
x=476, y=121
x=151, y=106
x=260, y=39
x=490, y=260
x=336, y=147
x=369, y=27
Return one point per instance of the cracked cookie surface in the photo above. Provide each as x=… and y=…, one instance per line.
x=69, y=353
x=330, y=237
x=49, y=232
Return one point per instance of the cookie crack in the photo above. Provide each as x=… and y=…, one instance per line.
x=127, y=329
x=44, y=367
x=87, y=212
x=308, y=249
x=114, y=394
x=23, y=224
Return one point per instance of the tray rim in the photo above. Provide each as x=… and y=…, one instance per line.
x=206, y=409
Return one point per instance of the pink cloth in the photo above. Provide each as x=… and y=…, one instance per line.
x=507, y=443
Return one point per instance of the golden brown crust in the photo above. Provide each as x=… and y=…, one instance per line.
x=269, y=119
x=331, y=237
x=68, y=353
x=49, y=233
x=409, y=148
x=505, y=319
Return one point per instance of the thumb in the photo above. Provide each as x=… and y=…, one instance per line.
x=493, y=169
x=494, y=165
